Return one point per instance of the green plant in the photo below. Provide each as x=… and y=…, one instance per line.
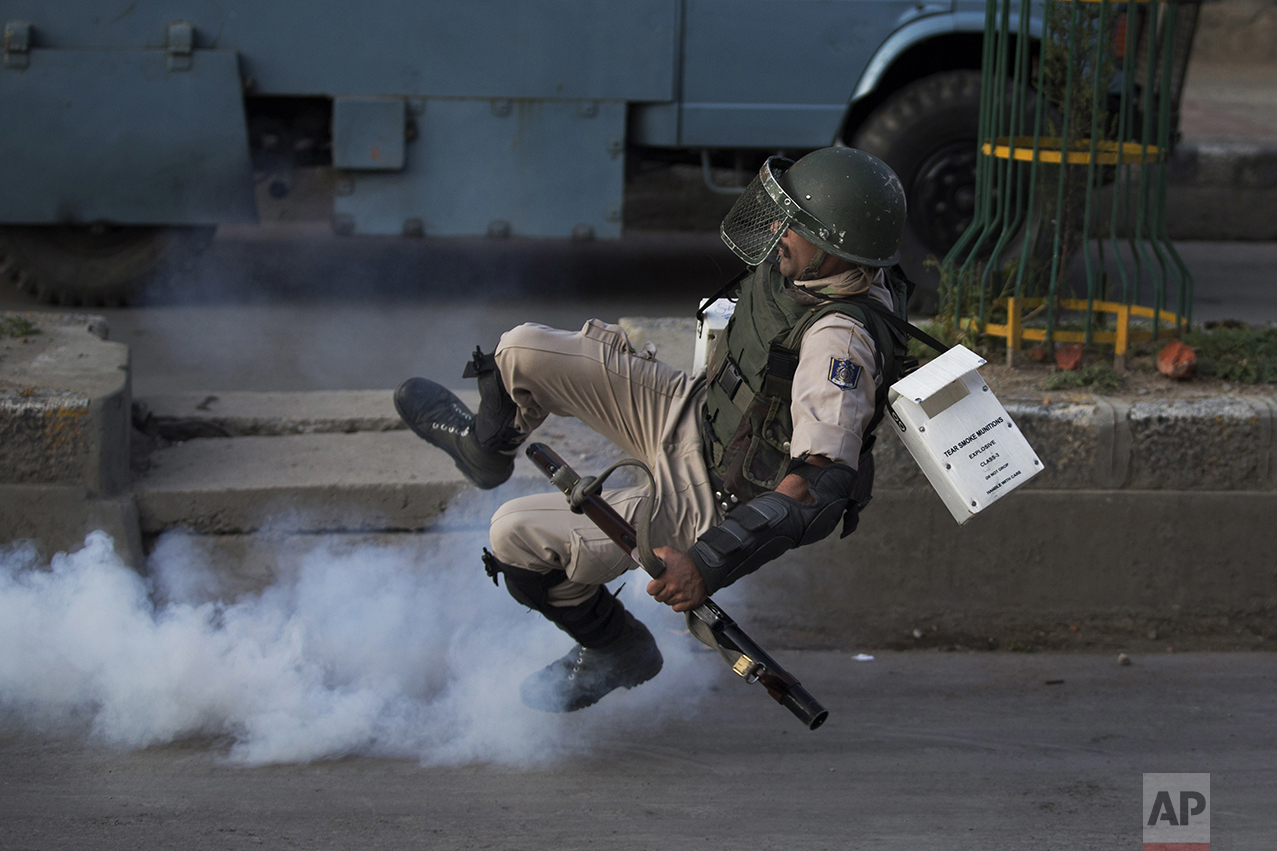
x=17, y=326
x=1245, y=354
x=935, y=328
x=1099, y=376
x=958, y=313
x=1071, y=73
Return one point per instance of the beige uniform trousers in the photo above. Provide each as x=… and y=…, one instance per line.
x=649, y=409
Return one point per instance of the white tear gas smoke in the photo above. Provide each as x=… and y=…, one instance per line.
x=387, y=650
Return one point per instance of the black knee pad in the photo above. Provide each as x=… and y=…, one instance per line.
x=600, y=621
x=528, y=587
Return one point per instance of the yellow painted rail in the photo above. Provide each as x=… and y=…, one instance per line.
x=1014, y=332
x=1079, y=153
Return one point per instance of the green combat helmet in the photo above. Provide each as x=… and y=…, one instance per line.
x=844, y=201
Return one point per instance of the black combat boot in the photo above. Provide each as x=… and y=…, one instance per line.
x=482, y=445
x=614, y=650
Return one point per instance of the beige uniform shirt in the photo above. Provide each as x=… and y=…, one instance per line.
x=834, y=386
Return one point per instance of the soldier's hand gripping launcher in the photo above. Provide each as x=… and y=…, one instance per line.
x=710, y=624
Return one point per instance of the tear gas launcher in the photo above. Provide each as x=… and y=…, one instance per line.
x=709, y=623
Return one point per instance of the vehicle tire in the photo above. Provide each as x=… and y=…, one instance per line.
x=927, y=132
x=93, y=265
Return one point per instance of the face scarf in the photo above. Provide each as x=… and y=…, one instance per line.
x=854, y=281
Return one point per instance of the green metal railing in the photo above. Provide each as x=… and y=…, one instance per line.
x=1085, y=112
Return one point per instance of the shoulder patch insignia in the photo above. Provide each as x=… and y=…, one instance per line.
x=844, y=373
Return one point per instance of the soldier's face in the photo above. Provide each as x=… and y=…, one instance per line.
x=795, y=253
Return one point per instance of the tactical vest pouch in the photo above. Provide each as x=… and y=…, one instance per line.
x=767, y=458
x=782, y=363
x=754, y=462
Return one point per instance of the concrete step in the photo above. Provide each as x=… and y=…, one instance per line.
x=367, y=480
x=319, y=462
x=332, y=462
x=239, y=413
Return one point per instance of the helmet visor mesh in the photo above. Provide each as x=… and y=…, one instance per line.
x=754, y=224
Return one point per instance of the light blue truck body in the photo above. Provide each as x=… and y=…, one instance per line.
x=491, y=116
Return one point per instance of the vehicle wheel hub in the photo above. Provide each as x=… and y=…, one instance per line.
x=942, y=200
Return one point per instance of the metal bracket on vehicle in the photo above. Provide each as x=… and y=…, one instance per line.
x=708, y=176
x=181, y=42
x=17, y=44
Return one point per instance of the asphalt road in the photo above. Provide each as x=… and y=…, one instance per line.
x=290, y=307
x=923, y=750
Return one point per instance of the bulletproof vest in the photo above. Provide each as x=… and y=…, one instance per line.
x=748, y=424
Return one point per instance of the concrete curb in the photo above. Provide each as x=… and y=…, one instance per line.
x=65, y=404
x=1221, y=443
x=1106, y=562
x=1224, y=164
x=1222, y=190
x=58, y=517
x=242, y=414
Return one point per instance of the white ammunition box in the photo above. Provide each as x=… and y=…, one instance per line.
x=708, y=330
x=963, y=439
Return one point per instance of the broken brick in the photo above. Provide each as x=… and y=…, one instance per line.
x=1176, y=360
x=1069, y=357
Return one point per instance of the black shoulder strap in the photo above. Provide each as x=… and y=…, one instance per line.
x=910, y=329
x=723, y=291
x=886, y=355
x=893, y=361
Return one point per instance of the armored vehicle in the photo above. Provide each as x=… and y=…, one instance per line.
x=132, y=127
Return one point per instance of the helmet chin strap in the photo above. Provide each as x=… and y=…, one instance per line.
x=812, y=272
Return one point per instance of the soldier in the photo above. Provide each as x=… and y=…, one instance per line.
x=765, y=450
